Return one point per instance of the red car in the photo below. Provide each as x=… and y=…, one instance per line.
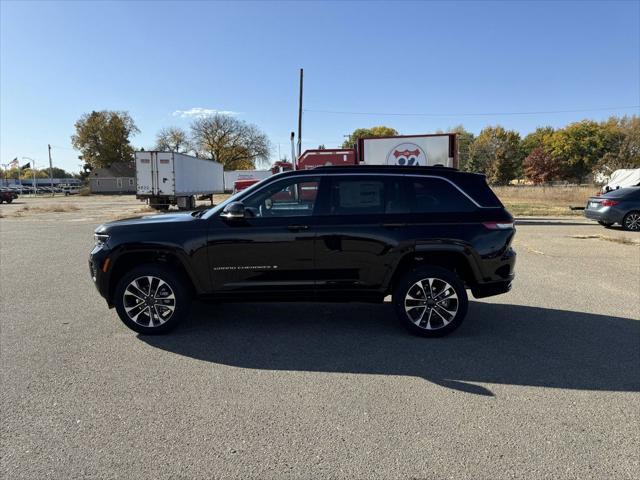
x=7, y=195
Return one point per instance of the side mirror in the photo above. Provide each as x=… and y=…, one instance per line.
x=233, y=211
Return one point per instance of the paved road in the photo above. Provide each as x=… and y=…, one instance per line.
x=542, y=382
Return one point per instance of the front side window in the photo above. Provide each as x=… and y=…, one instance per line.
x=287, y=198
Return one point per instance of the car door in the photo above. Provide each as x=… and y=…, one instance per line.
x=359, y=239
x=269, y=253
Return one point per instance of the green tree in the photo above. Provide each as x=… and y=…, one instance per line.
x=580, y=147
x=465, y=140
x=59, y=173
x=540, y=138
x=28, y=173
x=496, y=153
x=235, y=144
x=172, y=139
x=103, y=137
x=358, y=133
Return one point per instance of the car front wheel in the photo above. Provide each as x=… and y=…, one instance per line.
x=631, y=221
x=152, y=299
x=431, y=301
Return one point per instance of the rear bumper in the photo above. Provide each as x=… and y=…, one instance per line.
x=605, y=214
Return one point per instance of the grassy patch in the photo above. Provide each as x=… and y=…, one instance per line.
x=544, y=201
x=46, y=209
x=539, y=210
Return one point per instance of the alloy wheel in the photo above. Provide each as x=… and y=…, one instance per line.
x=431, y=303
x=632, y=222
x=149, y=301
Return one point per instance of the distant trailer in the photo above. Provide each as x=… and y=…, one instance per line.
x=168, y=178
x=325, y=157
x=232, y=176
x=410, y=150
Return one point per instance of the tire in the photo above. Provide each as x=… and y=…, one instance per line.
x=631, y=221
x=409, y=291
x=605, y=224
x=134, y=285
x=9, y=200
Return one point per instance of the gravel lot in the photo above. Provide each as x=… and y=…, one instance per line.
x=542, y=382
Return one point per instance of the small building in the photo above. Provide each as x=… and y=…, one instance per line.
x=119, y=177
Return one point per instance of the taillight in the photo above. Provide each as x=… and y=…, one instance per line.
x=498, y=225
x=608, y=203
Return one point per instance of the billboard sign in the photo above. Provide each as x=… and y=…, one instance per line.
x=419, y=150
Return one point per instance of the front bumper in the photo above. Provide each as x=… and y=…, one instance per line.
x=97, y=259
x=490, y=289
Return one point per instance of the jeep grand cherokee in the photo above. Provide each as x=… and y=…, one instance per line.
x=421, y=234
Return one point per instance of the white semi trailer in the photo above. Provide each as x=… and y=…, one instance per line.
x=168, y=178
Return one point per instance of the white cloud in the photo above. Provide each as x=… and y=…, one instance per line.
x=199, y=112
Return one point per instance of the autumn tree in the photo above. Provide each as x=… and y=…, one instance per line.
x=581, y=146
x=172, y=139
x=540, y=166
x=103, y=137
x=496, y=153
x=358, y=133
x=235, y=144
x=624, y=152
x=540, y=138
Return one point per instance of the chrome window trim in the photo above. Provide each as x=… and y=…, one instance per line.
x=352, y=174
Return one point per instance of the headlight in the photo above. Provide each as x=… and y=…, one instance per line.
x=100, y=238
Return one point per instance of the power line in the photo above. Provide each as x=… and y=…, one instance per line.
x=478, y=114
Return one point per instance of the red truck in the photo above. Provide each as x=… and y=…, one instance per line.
x=324, y=157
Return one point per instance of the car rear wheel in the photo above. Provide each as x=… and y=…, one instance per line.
x=431, y=301
x=152, y=299
x=631, y=221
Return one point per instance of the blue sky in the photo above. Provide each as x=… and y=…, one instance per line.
x=59, y=60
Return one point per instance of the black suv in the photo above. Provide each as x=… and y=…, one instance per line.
x=421, y=234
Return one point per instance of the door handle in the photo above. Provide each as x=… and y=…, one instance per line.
x=394, y=225
x=297, y=228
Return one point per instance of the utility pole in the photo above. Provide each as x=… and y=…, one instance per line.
x=300, y=114
x=293, y=150
x=50, y=172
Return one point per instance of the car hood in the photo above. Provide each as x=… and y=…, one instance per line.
x=148, y=222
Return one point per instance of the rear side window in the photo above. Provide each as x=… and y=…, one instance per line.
x=356, y=196
x=433, y=195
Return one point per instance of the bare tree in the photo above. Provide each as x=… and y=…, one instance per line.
x=232, y=142
x=172, y=139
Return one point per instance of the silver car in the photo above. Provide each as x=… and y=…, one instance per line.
x=620, y=206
